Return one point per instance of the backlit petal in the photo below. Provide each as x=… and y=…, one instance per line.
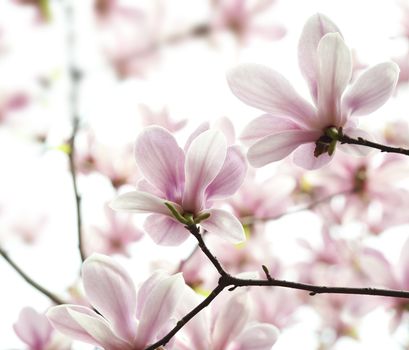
x=225, y=225
x=164, y=230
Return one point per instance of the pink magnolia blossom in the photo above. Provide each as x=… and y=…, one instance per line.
x=115, y=236
x=127, y=36
x=190, y=180
x=370, y=191
x=292, y=123
x=239, y=16
x=228, y=326
x=115, y=163
x=161, y=118
x=35, y=330
x=126, y=321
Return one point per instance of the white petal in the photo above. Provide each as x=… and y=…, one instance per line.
x=225, y=225
x=278, y=146
x=268, y=90
x=314, y=29
x=259, y=336
x=266, y=125
x=141, y=202
x=112, y=292
x=372, y=89
x=165, y=230
x=158, y=308
x=161, y=161
x=334, y=74
x=304, y=157
x=204, y=160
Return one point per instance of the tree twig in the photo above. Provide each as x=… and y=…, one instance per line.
x=226, y=280
x=29, y=280
x=74, y=76
x=362, y=142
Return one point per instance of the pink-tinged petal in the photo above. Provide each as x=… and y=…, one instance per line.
x=276, y=147
x=112, y=292
x=226, y=126
x=265, y=125
x=200, y=129
x=145, y=186
x=230, y=177
x=225, y=225
x=158, y=308
x=268, y=90
x=146, y=289
x=230, y=321
x=161, y=161
x=259, y=336
x=100, y=331
x=141, y=202
x=372, y=89
x=33, y=328
x=204, y=160
x=357, y=150
x=197, y=329
x=314, y=29
x=334, y=74
x=61, y=318
x=164, y=230
x=304, y=157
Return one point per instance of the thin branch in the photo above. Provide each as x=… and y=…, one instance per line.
x=29, y=280
x=226, y=280
x=206, y=302
x=383, y=148
x=248, y=220
x=194, y=230
x=75, y=76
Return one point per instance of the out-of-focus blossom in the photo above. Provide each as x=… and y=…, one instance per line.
x=370, y=191
x=292, y=123
x=340, y=262
x=128, y=37
x=262, y=200
x=160, y=118
x=11, y=101
x=114, y=237
x=240, y=17
x=124, y=320
x=35, y=330
x=116, y=163
x=228, y=327
x=396, y=133
x=189, y=180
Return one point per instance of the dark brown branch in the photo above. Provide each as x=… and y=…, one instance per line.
x=215, y=292
x=362, y=142
x=194, y=230
x=227, y=280
x=75, y=77
x=29, y=280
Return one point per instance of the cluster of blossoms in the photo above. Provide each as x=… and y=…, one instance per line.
x=208, y=186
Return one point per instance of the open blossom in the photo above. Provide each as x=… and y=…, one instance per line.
x=239, y=16
x=189, y=180
x=294, y=124
x=35, y=330
x=125, y=321
x=228, y=326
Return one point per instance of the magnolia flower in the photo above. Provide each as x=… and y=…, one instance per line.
x=292, y=123
x=228, y=327
x=35, y=330
x=124, y=321
x=187, y=180
x=239, y=16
